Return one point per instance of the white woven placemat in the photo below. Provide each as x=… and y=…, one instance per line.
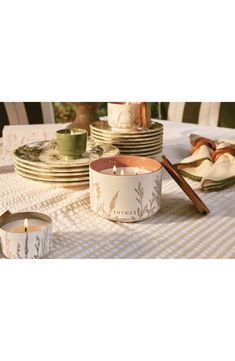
x=176, y=231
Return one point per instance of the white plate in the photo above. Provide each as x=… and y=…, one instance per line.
x=45, y=154
x=52, y=171
x=129, y=150
x=75, y=185
x=57, y=176
x=120, y=141
x=48, y=180
x=104, y=127
x=139, y=152
x=144, y=154
x=140, y=144
x=124, y=137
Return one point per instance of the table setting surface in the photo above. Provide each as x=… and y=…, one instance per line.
x=177, y=230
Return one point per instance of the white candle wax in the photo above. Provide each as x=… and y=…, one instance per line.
x=17, y=226
x=126, y=170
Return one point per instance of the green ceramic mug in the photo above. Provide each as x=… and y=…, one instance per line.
x=71, y=143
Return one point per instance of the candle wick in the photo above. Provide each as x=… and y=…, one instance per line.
x=25, y=225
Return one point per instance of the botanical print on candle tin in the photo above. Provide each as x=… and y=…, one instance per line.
x=28, y=245
x=140, y=208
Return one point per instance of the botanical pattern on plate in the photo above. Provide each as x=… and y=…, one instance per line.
x=46, y=152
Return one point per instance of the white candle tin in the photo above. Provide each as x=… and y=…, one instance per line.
x=29, y=244
x=124, y=116
x=125, y=198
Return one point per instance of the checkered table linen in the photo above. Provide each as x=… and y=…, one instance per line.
x=176, y=231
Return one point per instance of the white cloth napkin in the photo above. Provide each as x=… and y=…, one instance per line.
x=212, y=163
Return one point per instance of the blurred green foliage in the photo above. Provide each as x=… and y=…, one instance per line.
x=67, y=113
x=64, y=113
x=102, y=111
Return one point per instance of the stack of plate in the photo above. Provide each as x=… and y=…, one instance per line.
x=143, y=142
x=40, y=161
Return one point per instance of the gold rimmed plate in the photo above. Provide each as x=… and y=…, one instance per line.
x=45, y=154
x=50, y=174
x=146, y=149
x=119, y=140
x=79, y=170
x=141, y=147
x=132, y=144
x=79, y=184
x=126, y=135
x=141, y=151
x=51, y=179
x=104, y=127
x=144, y=154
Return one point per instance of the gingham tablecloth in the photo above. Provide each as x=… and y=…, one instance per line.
x=176, y=231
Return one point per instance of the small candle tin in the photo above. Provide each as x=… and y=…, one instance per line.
x=72, y=142
x=27, y=244
x=125, y=198
x=124, y=116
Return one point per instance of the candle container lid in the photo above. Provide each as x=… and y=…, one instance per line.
x=4, y=216
x=199, y=204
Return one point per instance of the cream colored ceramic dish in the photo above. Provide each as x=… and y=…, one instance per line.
x=141, y=150
x=104, y=127
x=56, y=177
x=120, y=141
x=63, y=181
x=45, y=154
x=140, y=145
x=145, y=153
x=52, y=171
